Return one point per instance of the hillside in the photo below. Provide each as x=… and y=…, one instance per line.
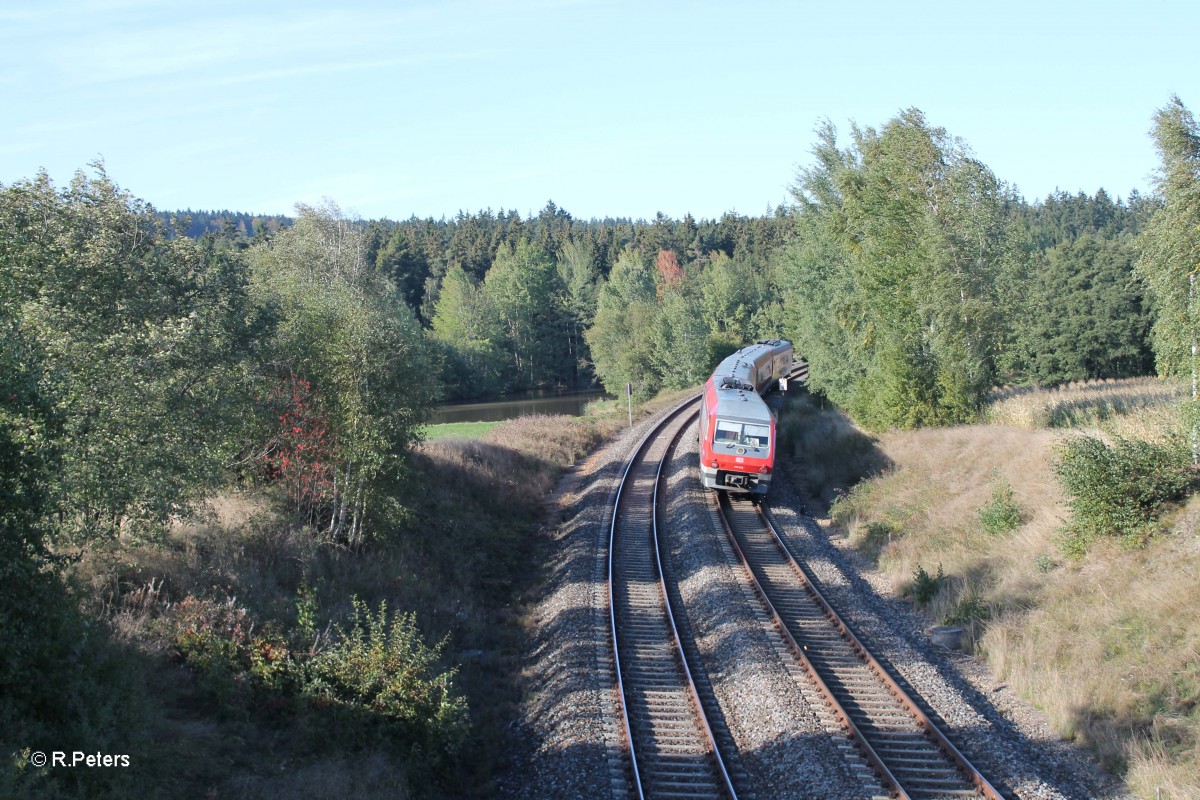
x=1105, y=643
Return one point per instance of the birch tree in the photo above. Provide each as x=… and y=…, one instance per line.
x=620, y=338
x=356, y=346
x=1170, y=254
x=900, y=277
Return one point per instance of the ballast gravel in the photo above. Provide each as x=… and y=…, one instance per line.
x=785, y=743
x=569, y=719
x=1006, y=738
x=774, y=714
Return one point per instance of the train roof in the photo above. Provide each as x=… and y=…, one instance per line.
x=742, y=405
x=738, y=370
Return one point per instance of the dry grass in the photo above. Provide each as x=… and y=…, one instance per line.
x=1108, y=646
x=1081, y=404
x=1111, y=652
x=828, y=452
x=924, y=512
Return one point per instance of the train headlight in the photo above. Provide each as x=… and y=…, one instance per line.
x=764, y=470
x=713, y=463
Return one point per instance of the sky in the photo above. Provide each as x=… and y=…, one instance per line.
x=607, y=108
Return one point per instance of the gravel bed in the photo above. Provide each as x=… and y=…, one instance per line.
x=569, y=715
x=571, y=739
x=774, y=714
x=1010, y=741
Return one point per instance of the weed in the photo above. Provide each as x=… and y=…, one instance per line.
x=306, y=613
x=376, y=682
x=1001, y=514
x=875, y=537
x=969, y=610
x=1044, y=563
x=924, y=587
x=383, y=674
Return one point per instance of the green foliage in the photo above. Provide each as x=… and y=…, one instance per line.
x=580, y=274
x=1043, y=563
x=894, y=278
x=353, y=342
x=466, y=324
x=924, y=587
x=969, y=610
x=382, y=667
x=143, y=343
x=525, y=290
x=1082, y=315
x=377, y=682
x=1001, y=514
x=1119, y=489
x=681, y=352
x=625, y=309
x=1170, y=244
x=730, y=292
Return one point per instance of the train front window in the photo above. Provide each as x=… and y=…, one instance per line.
x=741, y=434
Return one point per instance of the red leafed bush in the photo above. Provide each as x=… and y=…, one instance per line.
x=300, y=454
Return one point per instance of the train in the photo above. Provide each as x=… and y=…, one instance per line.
x=736, y=427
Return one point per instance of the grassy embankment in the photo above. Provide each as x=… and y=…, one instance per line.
x=254, y=588
x=1107, y=644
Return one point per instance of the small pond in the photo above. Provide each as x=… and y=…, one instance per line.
x=516, y=405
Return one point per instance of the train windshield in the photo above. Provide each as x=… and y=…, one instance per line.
x=744, y=434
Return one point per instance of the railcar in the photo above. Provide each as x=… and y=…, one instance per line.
x=736, y=427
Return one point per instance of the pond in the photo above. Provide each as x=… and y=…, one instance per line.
x=516, y=405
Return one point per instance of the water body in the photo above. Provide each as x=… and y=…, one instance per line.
x=517, y=405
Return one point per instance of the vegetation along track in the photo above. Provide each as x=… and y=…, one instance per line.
x=912, y=756
x=672, y=748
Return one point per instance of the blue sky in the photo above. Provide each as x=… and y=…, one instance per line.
x=608, y=108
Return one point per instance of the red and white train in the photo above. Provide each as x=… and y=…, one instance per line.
x=737, y=429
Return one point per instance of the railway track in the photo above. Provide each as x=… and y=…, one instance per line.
x=672, y=748
x=911, y=755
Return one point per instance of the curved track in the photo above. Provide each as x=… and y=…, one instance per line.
x=673, y=752
x=912, y=756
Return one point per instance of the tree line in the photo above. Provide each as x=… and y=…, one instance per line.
x=910, y=275
x=913, y=280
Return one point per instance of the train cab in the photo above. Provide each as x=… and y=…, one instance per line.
x=736, y=428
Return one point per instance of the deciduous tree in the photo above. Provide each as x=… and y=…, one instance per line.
x=620, y=336
x=350, y=337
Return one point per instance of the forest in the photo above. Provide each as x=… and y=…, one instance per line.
x=509, y=303
x=149, y=360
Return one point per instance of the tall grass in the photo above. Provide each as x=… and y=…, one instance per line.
x=1077, y=405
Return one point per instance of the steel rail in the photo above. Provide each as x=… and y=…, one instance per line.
x=801, y=653
x=662, y=585
x=935, y=731
x=723, y=778
x=878, y=761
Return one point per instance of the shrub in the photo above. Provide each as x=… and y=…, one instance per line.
x=382, y=674
x=968, y=610
x=1119, y=489
x=924, y=586
x=377, y=682
x=1001, y=514
x=1043, y=563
